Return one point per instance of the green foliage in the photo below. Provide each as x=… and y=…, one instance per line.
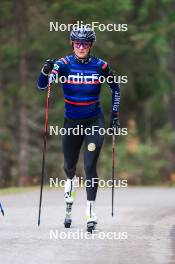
x=144, y=53
x=149, y=163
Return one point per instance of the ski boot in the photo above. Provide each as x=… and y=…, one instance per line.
x=91, y=217
x=69, y=195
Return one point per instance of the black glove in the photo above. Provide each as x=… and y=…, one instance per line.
x=115, y=121
x=48, y=66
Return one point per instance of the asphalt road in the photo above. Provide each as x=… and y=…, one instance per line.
x=142, y=230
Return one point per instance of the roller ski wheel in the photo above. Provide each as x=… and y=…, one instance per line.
x=91, y=226
x=67, y=223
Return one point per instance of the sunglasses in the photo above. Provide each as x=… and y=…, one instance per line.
x=85, y=45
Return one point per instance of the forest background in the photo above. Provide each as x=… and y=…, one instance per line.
x=145, y=53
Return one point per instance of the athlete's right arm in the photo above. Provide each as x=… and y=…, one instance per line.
x=48, y=72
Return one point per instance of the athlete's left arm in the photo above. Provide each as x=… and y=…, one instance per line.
x=111, y=80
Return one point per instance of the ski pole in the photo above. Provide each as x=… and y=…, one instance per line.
x=113, y=170
x=44, y=150
x=2, y=211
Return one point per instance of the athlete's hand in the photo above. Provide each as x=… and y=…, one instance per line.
x=48, y=66
x=115, y=121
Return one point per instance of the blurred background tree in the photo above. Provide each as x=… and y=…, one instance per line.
x=145, y=53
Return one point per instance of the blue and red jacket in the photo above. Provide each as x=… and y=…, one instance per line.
x=81, y=85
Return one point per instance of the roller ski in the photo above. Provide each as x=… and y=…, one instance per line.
x=68, y=220
x=69, y=195
x=91, y=217
x=91, y=226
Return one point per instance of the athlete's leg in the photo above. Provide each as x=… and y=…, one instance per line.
x=71, y=145
x=93, y=144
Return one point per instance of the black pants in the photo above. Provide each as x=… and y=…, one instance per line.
x=72, y=143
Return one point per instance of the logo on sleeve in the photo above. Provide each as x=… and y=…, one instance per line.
x=56, y=67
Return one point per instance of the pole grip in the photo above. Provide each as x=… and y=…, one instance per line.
x=47, y=108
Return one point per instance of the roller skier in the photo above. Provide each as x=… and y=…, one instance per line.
x=81, y=89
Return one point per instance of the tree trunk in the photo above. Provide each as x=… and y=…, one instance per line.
x=22, y=33
x=172, y=99
x=5, y=146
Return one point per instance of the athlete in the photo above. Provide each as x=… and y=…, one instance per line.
x=80, y=74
